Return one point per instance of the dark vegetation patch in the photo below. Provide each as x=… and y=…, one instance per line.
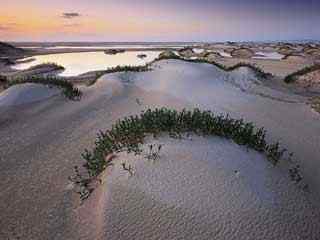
x=50, y=65
x=67, y=87
x=128, y=134
x=293, y=76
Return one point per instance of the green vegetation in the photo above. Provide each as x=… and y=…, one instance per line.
x=69, y=90
x=129, y=134
x=293, y=76
x=54, y=66
x=128, y=69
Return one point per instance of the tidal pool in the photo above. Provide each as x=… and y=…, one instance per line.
x=79, y=63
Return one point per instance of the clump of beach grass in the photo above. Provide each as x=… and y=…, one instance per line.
x=128, y=135
x=68, y=89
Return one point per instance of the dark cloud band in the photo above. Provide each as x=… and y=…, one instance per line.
x=70, y=15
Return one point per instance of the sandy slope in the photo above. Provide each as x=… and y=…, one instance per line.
x=204, y=189
x=41, y=142
x=26, y=93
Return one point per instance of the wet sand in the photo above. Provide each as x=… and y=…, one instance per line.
x=42, y=141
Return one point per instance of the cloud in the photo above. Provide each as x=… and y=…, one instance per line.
x=7, y=26
x=70, y=15
x=4, y=28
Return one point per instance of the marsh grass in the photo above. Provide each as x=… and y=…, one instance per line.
x=128, y=135
x=67, y=87
x=293, y=76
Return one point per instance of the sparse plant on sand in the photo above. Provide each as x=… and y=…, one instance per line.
x=83, y=184
x=128, y=134
x=154, y=152
x=129, y=169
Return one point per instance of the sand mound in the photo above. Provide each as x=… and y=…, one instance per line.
x=310, y=80
x=167, y=54
x=286, y=50
x=26, y=93
x=294, y=58
x=187, y=52
x=212, y=56
x=242, y=53
x=204, y=189
x=9, y=50
x=312, y=51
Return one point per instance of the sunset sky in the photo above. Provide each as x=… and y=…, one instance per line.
x=159, y=20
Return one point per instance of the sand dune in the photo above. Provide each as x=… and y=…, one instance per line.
x=193, y=184
x=204, y=189
x=26, y=93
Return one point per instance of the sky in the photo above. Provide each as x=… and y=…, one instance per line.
x=159, y=20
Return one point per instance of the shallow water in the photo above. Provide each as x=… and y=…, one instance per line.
x=109, y=46
x=115, y=47
x=79, y=63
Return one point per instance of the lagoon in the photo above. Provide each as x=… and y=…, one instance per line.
x=82, y=62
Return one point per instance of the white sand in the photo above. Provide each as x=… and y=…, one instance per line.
x=204, y=189
x=201, y=198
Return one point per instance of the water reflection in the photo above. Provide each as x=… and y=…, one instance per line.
x=79, y=63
